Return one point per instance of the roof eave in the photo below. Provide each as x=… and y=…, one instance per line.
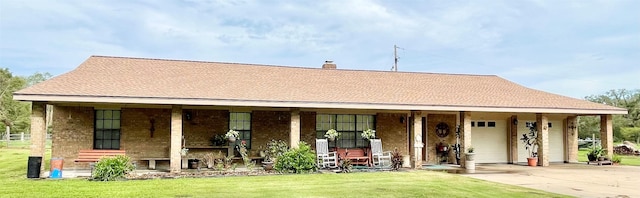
x=300, y=104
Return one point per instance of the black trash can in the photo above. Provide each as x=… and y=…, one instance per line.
x=33, y=167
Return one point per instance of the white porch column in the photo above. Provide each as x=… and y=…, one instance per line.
x=606, y=134
x=294, y=134
x=571, y=139
x=543, y=139
x=38, y=132
x=417, y=139
x=176, y=139
x=465, y=136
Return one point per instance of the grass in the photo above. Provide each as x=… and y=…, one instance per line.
x=626, y=159
x=380, y=184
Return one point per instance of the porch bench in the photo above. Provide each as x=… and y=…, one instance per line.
x=152, y=161
x=93, y=156
x=357, y=156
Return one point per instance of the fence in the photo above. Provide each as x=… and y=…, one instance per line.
x=18, y=137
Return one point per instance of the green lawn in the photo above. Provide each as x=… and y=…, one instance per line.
x=626, y=160
x=380, y=184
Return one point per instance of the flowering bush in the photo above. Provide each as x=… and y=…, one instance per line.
x=368, y=134
x=331, y=134
x=231, y=133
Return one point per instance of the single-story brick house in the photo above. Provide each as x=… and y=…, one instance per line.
x=148, y=106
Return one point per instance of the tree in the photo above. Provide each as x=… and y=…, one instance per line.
x=627, y=99
x=15, y=115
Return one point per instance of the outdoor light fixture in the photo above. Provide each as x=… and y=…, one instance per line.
x=515, y=121
x=187, y=115
x=572, y=127
x=401, y=119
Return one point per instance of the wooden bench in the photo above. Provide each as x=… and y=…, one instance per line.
x=152, y=161
x=357, y=156
x=93, y=156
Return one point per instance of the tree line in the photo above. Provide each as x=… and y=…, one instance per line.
x=625, y=127
x=15, y=115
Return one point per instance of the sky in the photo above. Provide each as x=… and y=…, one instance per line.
x=571, y=48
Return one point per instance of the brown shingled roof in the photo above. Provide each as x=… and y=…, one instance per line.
x=109, y=77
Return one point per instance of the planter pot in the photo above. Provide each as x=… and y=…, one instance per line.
x=470, y=165
x=470, y=156
x=592, y=158
x=601, y=158
x=193, y=163
x=267, y=166
x=331, y=139
x=232, y=139
x=532, y=161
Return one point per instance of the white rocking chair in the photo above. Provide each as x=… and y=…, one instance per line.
x=380, y=158
x=325, y=159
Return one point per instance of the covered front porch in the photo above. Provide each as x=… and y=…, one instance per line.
x=163, y=131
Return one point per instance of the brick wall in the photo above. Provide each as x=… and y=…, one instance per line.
x=392, y=132
x=433, y=139
x=135, y=134
x=308, y=128
x=268, y=125
x=72, y=131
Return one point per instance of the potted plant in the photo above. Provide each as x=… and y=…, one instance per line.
x=470, y=154
x=368, y=134
x=184, y=152
x=218, y=140
x=594, y=153
x=275, y=149
x=231, y=135
x=530, y=141
x=331, y=134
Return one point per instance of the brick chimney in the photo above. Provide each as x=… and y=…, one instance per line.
x=329, y=65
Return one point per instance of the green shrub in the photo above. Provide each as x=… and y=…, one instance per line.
x=297, y=160
x=110, y=169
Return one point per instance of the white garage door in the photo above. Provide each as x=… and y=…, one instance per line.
x=490, y=141
x=556, y=148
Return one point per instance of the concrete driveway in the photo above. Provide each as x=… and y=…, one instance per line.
x=579, y=180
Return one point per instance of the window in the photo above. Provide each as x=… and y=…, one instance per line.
x=241, y=122
x=107, y=129
x=491, y=124
x=350, y=128
x=481, y=124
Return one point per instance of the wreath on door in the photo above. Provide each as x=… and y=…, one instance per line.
x=442, y=130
